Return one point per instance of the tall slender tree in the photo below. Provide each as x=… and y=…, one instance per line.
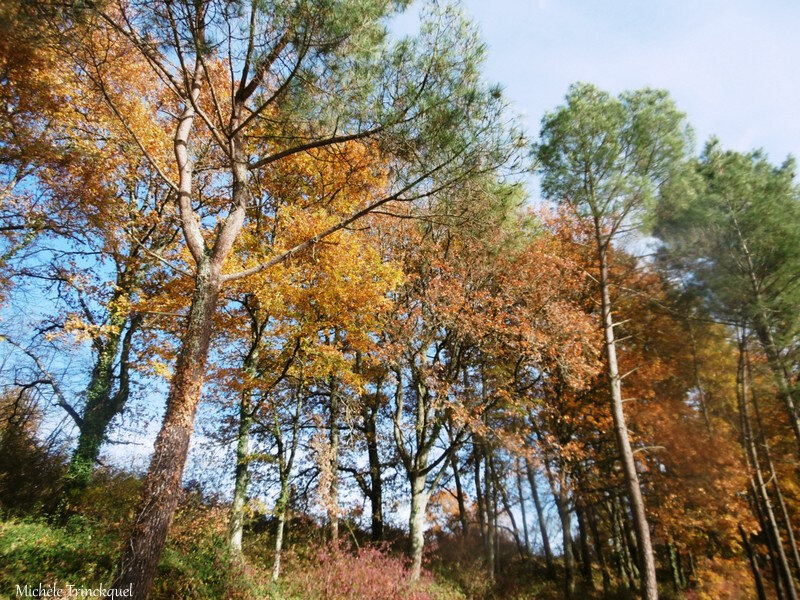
x=606, y=158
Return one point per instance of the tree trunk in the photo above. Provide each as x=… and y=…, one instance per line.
x=586, y=554
x=479, y=493
x=462, y=510
x=786, y=519
x=548, y=552
x=280, y=512
x=747, y=434
x=630, y=544
x=522, y=506
x=701, y=395
x=779, y=372
x=562, y=504
x=649, y=586
x=751, y=557
x=622, y=535
x=416, y=523
x=559, y=490
x=598, y=549
x=507, y=508
x=619, y=552
x=673, y=567
x=101, y=405
x=333, y=490
x=681, y=574
x=285, y=464
x=242, y=476
x=491, y=515
x=772, y=553
x=162, y=485
x=773, y=475
x=376, y=485
x=763, y=328
x=242, y=473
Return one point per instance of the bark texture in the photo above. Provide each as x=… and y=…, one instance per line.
x=162, y=486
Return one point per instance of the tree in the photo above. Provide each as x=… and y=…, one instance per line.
x=306, y=76
x=62, y=210
x=606, y=158
x=730, y=225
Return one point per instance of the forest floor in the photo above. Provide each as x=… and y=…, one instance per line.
x=80, y=550
x=44, y=540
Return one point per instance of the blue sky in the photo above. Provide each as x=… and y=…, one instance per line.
x=731, y=66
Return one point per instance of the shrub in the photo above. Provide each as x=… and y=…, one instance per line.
x=369, y=573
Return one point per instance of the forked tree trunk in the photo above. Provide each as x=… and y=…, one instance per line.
x=101, y=405
x=162, y=485
x=649, y=586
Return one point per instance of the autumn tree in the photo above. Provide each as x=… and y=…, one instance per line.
x=305, y=313
x=76, y=212
x=305, y=77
